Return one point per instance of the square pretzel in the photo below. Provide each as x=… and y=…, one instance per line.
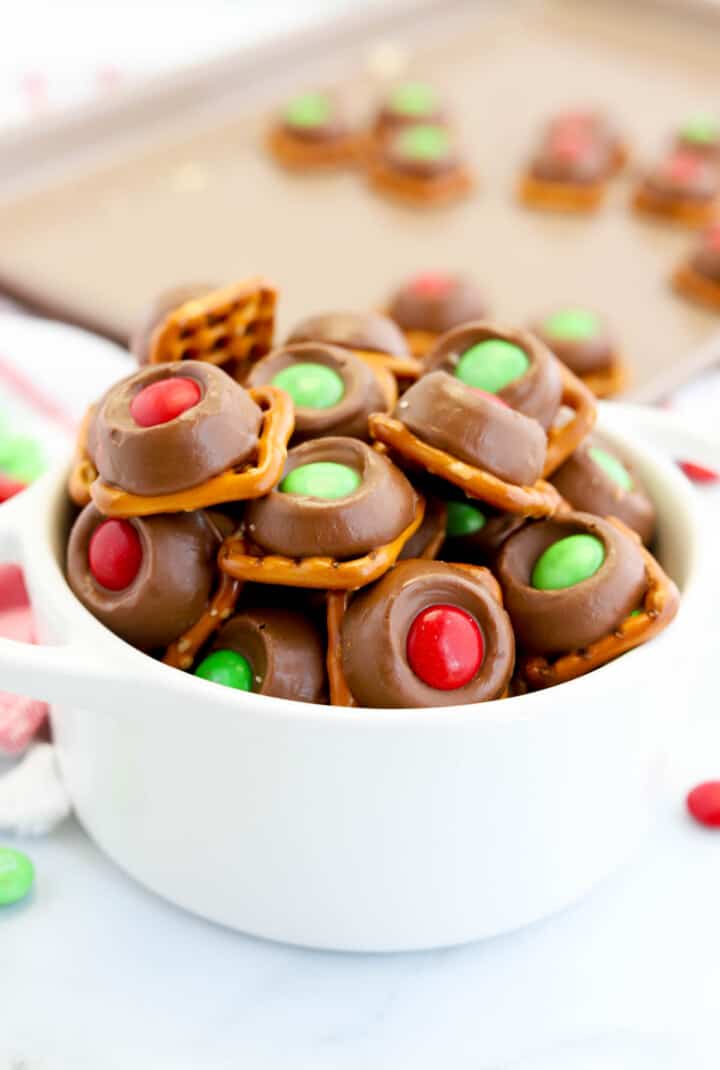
x=564, y=440
x=539, y=500
x=234, y=485
x=660, y=605
x=318, y=573
x=234, y=324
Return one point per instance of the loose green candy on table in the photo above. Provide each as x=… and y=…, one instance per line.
x=17, y=874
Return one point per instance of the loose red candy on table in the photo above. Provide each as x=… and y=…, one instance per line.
x=703, y=803
x=445, y=647
x=698, y=473
x=164, y=401
x=115, y=554
x=9, y=487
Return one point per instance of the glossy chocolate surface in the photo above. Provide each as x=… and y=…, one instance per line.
x=537, y=393
x=172, y=588
x=294, y=525
x=573, y=157
x=685, y=176
x=352, y=330
x=560, y=621
x=285, y=651
x=323, y=124
x=481, y=546
x=362, y=393
x=219, y=432
x=437, y=303
x=581, y=355
x=163, y=304
x=390, y=117
x=468, y=424
x=375, y=634
x=587, y=487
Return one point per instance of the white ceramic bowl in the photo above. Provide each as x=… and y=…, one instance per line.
x=358, y=829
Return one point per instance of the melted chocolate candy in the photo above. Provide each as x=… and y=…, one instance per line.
x=217, y=433
x=334, y=391
x=437, y=303
x=380, y=508
x=164, y=303
x=474, y=427
x=569, y=618
x=594, y=481
x=537, y=389
x=394, y=656
x=579, y=338
x=284, y=650
x=362, y=331
x=167, y=589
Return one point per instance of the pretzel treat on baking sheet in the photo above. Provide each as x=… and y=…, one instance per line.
x=581, y=340
x=232, y=327
x=251, y=479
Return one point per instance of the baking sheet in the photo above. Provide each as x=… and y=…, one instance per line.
x=210, y=204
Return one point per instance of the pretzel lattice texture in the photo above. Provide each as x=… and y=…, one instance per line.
x=232, y=324
x=234, y=485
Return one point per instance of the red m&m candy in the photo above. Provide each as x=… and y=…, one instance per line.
x=431, y=284
x=164, y=401
x=115, y=554
x=445, y=647
x=703, y=803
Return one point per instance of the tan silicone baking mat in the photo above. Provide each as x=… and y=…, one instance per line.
x=212, y=206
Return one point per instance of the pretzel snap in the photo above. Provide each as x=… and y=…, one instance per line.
x=323, y=573
x=340, y=693
x=235, y=323
x=83, y=472
x=182, y=653
x=564, y=440
x=607, y=382
x=539, y=500
x=660, y=605
x=405, y=368
x=234, y=485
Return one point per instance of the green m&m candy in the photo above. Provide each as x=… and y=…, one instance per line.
x=424, y=142
x=572, y=325
x=321, y=479
x=17, y=874
x=492, y=365
x=21, y=457
x=228, y=668
x=700, y=129
x=464, y=519
x=310, y=385
x=414, y=99
x=308, y=110
x=567, y=562
x=612, y=467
